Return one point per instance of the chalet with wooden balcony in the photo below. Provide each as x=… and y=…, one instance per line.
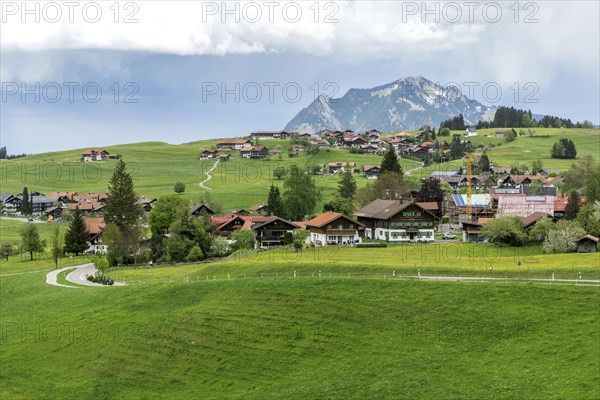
x=233, y=144
x=398, y=221
x=333, y=228
x=271, y=232
x=254, y=152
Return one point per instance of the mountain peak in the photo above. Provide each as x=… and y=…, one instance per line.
x=404, y=104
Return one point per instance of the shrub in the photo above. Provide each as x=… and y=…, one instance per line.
x=371, y=245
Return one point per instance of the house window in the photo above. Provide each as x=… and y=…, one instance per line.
x=329, y=226
x=418, y=214
x=340, y=226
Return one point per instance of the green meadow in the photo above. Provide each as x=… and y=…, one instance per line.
x=156, y=167
x=310, y=337
x=525, y=148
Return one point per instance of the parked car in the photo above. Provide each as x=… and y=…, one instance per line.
x=447, y=236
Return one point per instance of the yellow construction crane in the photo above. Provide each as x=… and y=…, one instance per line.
x=470, y=176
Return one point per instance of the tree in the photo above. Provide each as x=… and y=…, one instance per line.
x=536, y=166
x=388, y=186
x=390, y=161
x=339, y=204
x=275, y=203
x=101, y=263
x=164, y=212
x=301, y=194
x=77, y=235
x=592, y=185
x=58, y=244
x=30, y=240
x=179, y=187
x=536, y=189
x=589, y=218
x=541, y=229
x=123, y=209
x=432, y=191
x=242, y=240
x=563, y=238
x=484, y=163
x=7, y=250
x=347, y=185
x=186, y=232
x=564, y=148
x=195, y=254
x=219, y=247
x=122, y=205
x=505, y=230
x=117, y=248
x=280, y=172
x=573, y=206
x=444, y=132
x=456, y=148
x=26, y=208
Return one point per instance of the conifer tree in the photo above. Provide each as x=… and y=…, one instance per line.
x=572, y=207
x=77, y=236
x=390, y=161
x=347, y=185
x=274, y=202
x=26, y=208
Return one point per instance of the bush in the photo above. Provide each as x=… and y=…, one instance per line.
x=371, y=245
x=298, y=244
x=445, y=219
x=288, y=238
x=195, y=254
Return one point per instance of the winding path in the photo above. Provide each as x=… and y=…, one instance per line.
x=78, y=276
x=209, y=176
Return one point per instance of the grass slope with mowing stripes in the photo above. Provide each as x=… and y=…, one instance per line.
x=303, y=338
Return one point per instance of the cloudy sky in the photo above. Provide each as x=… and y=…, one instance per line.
x=95, y=74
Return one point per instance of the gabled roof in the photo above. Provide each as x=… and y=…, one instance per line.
x=234, y=141
x=94, y=225
x=367, y=168
x=196, y=207
x=386, y=209
x=589, y=237
x=341, y=164
x=326, y=218
x=269, y=220
x=533, y=218
x=257, y=207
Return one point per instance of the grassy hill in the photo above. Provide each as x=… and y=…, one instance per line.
x=525, y=149
x=157, y=166
x=299, y=338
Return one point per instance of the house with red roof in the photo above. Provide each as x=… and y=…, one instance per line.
x=332, y=228
x=93, y=155
x=95, y=227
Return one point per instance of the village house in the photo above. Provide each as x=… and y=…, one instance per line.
x=560, y=203
x=258, y=209
x=208, y=154
x=271, y=232
x=233, y=144
x=254, y=152
x=54, y=214
x=197, y=210
x=98, y=155
x=470, y=132
x=515, y=181
x=224, y=157
x=272, y=134
x=371, y=171
x=39, y=204
x=587, y=244
x=523, y=205
x=369, y=149
x=333, y=228
x=12, y=203
x=397, y=221
x=147, y=204
x=335, y=167
x=95, y=227
x=481, y=206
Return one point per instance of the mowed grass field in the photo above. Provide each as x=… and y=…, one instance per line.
x=525, y=149
x=333, y=338
x=156, y=167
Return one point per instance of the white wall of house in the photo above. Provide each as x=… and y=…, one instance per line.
x=400, y=235
x=323, y=239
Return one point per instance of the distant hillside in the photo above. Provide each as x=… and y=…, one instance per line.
x=405, y=104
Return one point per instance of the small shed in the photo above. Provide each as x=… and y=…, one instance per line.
x=587, y=244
